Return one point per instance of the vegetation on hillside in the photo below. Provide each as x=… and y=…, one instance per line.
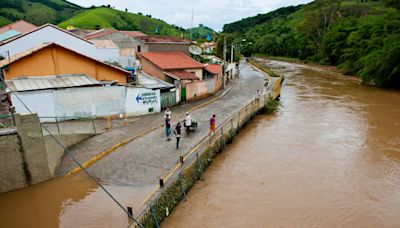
x=36, y=11
x=200, y=33
x=105, y=17
x=362, y=37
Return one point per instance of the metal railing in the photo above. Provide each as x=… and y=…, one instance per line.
x=173, y=187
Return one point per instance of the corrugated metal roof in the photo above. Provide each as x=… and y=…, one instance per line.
x=50, y=82
x=9, y=34
x=152, y=83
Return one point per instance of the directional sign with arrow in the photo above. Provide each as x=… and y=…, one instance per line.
x=138, y=98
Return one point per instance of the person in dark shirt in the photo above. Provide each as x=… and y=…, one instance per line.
x=177, y=133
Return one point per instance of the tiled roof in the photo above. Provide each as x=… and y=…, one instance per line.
x=171, y=60
x=181, y=75
x=214, y=68
x=104, y=43
x=134, y=33
x=164, y=39
x=20, y=26
x=100, y=33
x=28, y=52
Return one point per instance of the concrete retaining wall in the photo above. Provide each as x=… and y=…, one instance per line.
x=27, y=157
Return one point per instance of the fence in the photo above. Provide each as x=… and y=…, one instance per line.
x=173, y=188
x=168, y=99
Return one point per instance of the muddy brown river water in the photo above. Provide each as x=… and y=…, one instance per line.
x=329, y=158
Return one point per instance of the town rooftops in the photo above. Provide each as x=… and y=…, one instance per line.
x=33, y=50
x=104, y=44
x=134, y=33
x=20, y=26
x=100, y=33
x=181, y=75
x=164, y=39
x=39, y=28
x=214, y=68
x=171, y=60
x=50, y=82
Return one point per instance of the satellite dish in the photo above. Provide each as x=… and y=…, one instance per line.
x=195, y=50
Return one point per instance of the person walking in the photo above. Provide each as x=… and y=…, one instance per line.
x=212, y=124
x=177, y=133
x=168, y=127
x=167, y=112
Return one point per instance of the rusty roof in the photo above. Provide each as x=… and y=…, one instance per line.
x=33, y=50
x=171, y=60
x=20, y=26
x=50, y=82
x=181, y=75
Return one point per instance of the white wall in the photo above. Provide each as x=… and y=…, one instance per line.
x=110, y=55
x=41, y=102
x=88, y=102
x=149, y=99
x=49, y=34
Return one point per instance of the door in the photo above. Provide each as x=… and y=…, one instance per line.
x=183, y=94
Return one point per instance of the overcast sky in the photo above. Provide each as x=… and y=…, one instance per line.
x=212, y=13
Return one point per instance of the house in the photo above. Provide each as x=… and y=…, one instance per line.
x=161, y=44
x=47, y=33
x=14, y=29
x=54, y=59
x=64, y=97
x=214, y=71
x=208, y=47
x=107, y=51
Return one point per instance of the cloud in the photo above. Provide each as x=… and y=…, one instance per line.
x=208, y=12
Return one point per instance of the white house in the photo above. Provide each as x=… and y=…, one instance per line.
x=107, y=51
x=48, y=33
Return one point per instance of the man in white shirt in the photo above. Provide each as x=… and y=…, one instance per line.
x=188, y=120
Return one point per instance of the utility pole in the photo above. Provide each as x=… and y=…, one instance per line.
x=224, y=48
x=232, y=53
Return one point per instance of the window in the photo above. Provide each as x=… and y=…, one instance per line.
x=138, y=48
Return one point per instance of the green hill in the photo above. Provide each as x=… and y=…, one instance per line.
x=36, y=11
x=362, y=37
x=105, y=17
x=201, y=32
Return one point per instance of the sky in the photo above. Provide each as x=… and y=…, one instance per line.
x=211, y=13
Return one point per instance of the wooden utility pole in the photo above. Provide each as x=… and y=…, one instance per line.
x=224, y=49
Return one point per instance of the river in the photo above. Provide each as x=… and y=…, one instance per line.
x=329, y=158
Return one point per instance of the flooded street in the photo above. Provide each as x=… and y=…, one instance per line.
x=329, y=158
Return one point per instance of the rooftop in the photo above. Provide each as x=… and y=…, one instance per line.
x=214, y=68
x=104, y=44
x=171, y=60
x=181, y=75
x=9, y=34
x=100, y=33
x=152, y=82
x=164, y=39
x=50, y=82
x=134, y=33
x=20, y=26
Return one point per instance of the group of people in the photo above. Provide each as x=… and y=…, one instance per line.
x=178, y=127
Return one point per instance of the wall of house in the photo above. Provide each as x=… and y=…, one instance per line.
x=57, y=60
x=200, y=89
x=88, y=102
x=121, y=40
x=141, y=101
x=168, y=47
x=110, y=55
x=49, y=34
x=151, y=69
x=197, y=72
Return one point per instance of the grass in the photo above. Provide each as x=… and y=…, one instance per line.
x=110, y=18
